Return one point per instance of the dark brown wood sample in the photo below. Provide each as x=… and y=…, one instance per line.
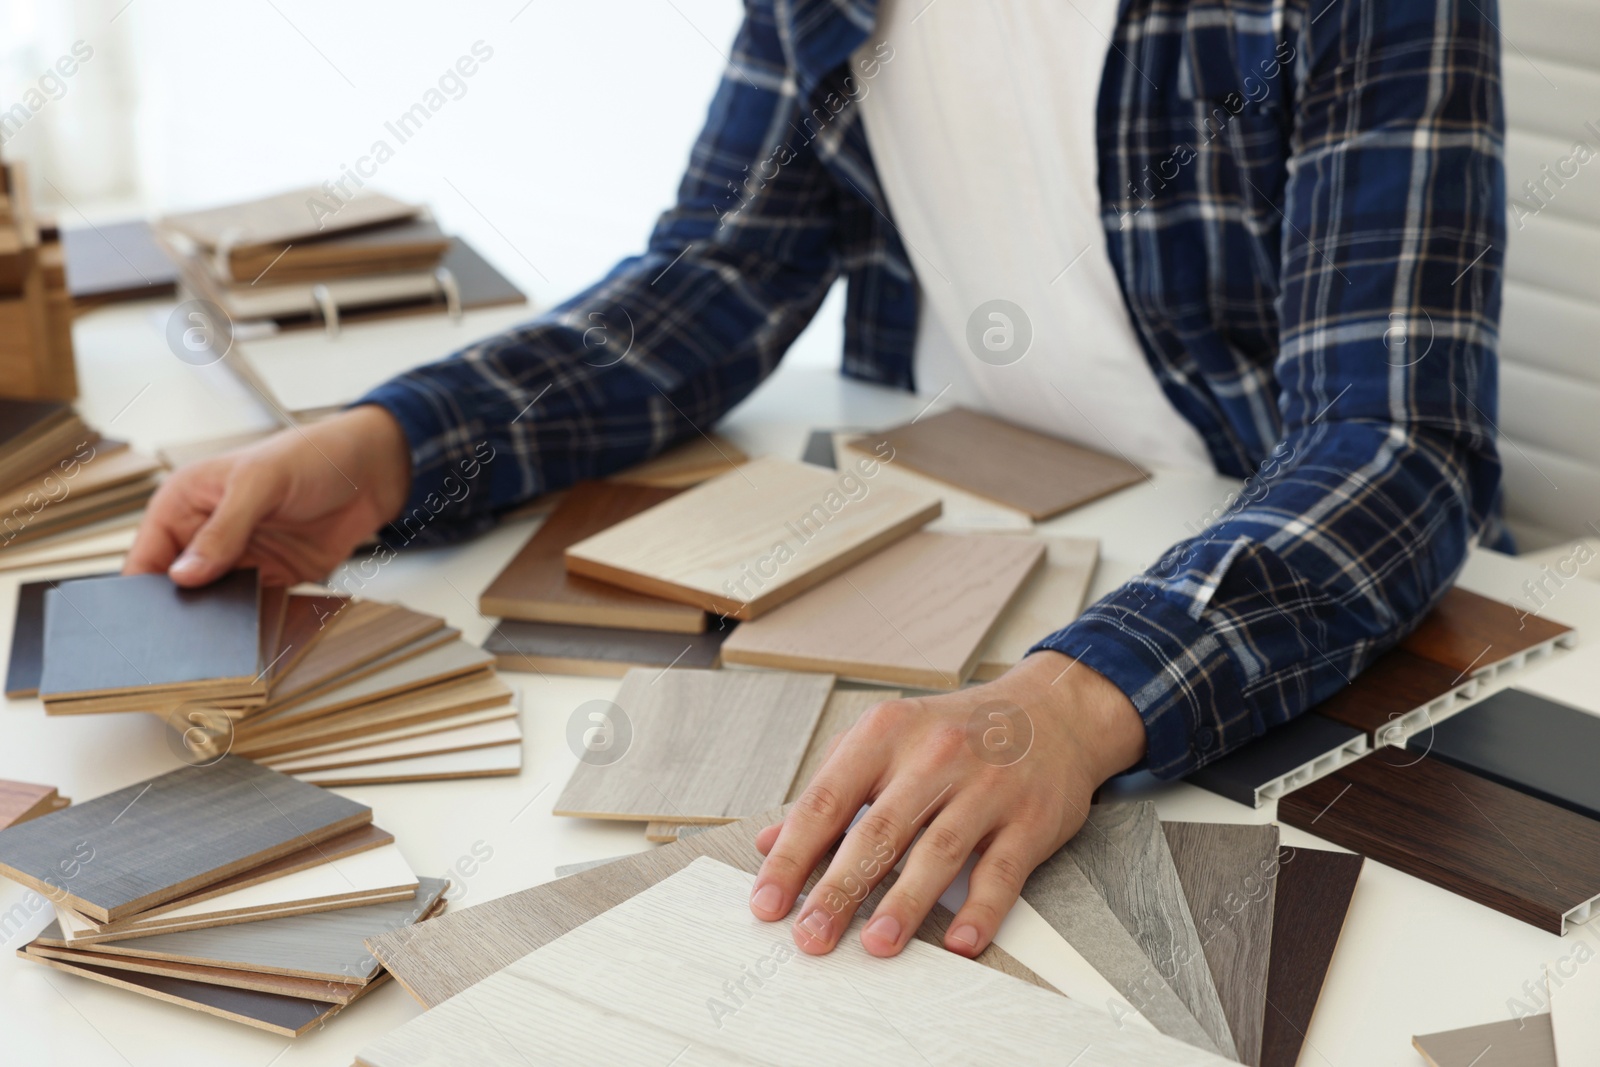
x=305, y=619
x=156, y=841
x=1506, y=850
x=1310, y=903
x=536, y=586
x=998, y=461
x=1394, y=685
x=1525, y=1042
x=1473, y=634
x=517, y=645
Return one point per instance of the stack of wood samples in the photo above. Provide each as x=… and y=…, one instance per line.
x=35, y=309
x=21, y=801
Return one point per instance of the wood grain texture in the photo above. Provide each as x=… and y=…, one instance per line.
x=1527, y=1042
x=104, y=466
x=285, y=703
x=1123, y=852
x=1065, y=898
x=595, y=651
x=1474, y=634
x=1049, y=600
x=306, y=618
x=695, y=460
x=308, y=988
x=1039, y=475
x=1396, y=684
x=359, y=633
x=440, y=958
x=915, y=614
x=1574, y=1011
x=745, y=541
x=644, y=982
x=536, y=587
x=1311, y=901
x=498, y=762
x=1284, y=758
x=960, y=511
x=506, y=731
x=159, y=840
x=21, y=801
x=706, y=746
x=471, y=718
x=1229, y=877
x=1508, y=851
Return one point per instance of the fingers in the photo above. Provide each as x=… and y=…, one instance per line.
x=252, y=491
x=996, y=882
x=935, y=860
x=169, y=520
x=767, y=837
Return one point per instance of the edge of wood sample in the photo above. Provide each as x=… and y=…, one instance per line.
x=602, y=652
x=306, y=988
x=1049, y=600
x=695, y=460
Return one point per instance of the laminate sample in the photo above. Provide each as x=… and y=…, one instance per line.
x=819, y=449
x=106, y=538
x=566, y=869
x=158, y=840
x=27, y=638
x=1065, y=898
x=1229, y=876
x=359, y=633
x=1124, y=854
x=1504, y=849
x=284, y=703
x=535, y=585
x=21, y=801
x=1526, y=1042
x=690, y=463
x=110, y=465
x=309, y=988
x=1284, y=758
x=1039, y=475
x=960, y=511
x=595, y=651
x=915, y=614
x=1476, y=635
x=402, y=733
x=453, y=659
x=306, y=618
x=644, y=981
x=1533, y=745
x=752, y=538
x=1310, y=903
x=440, y=958
x=706, y=746
x=481, y=735
x=497, y=762
x=1398, y=695
x=1575, y=1012
x=1049, y=600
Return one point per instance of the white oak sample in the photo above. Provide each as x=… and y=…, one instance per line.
x=706, y=746
x=501, y=761
x=683, y=973
x=745, y=541
x=1049, y=600
x=914, y=614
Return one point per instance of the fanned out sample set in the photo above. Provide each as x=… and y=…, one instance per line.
x=1130, y=901
x=226, y=888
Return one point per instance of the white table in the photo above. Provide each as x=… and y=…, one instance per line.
x=1413, y=959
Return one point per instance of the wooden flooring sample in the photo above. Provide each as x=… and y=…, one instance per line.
x=308, y=988
x=1229, y=875
x=1284, y=758
x=706, y=746
x=1476, y=635
x=360, y=633
x=306, y=618
x=1124, y=854
x=1049, y=600
x=1065, y=898
x=1575, y=1011
x=440, y=958
x=1506, y=850
x=482, y=735
x=1533, y=745
x=915, y=614
x=27, y=638
x=21, y=801
x=752, y=538
x=1525, y=1042
x=1039, y=475
x=453, y=659
x=558, y=648
x=1310, y=902
x=158, y=840
x=694, y=461
x=535, y=585
x=497, y=762
x=642, y=983
x=1399, y=694
x=960, y=511
x=402, y=733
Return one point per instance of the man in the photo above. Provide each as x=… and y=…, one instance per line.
x=1262, y=238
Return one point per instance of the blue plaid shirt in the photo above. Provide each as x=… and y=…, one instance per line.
x=1305, y=206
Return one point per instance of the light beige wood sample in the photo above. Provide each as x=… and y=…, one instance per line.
x=108, y=537
x=962, y=512
x=914, y=614
x=278, y=984
x=666, y=972
x=745, y=541
x=402, y=733
x=705, y=746
x=482, y=735
x=497, y=762
x=699, y=458
x=1049, y=600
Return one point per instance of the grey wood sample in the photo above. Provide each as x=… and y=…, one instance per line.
x=645, y=983
x=159, y=840
x=706, y=746
x=1229, y=877
x=105, y=635
x=27, y=639
x=1526, y=1042
x=563, y=648
x=1124, y=854
x=1284, y=758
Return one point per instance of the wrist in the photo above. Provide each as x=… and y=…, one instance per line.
x=376, y=451
x=1099, y=718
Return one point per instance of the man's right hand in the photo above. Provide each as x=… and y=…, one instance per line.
x=295, y=505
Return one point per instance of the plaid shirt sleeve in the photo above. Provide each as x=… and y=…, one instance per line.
x=1394, y=231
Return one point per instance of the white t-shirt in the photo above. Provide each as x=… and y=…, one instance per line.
x=982, y=126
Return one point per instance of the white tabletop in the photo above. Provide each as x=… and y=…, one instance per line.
x=1413, y=959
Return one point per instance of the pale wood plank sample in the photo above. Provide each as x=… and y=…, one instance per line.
x=745, y=541
x=497, y=762
x=595, y=651
x=1229, y=877
x=1048, y=601
x=403, y=733
x=1575, y=1011
x=451, y=659
x=481, y=735
x=536, y=587
x=690, y=463
x=960, y=511
x=1124, y=854
x=156, y=841
x=111, y=465
x=707, y=746
x=359, y=633
x=107, y=537
x=915, y=614
x=1526, y=1042
x=438, y=959
x=1311, y=901
x=1039, y=475
x=1065, y=898
x=21, y=801
x=281, y=984
x=653, y=969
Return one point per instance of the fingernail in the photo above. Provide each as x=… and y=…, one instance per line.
x=818, y=924
x=767, y=899
x=965, y=934
x=885, y=929
x=188, y=563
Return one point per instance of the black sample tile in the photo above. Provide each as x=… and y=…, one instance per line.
x=1243, y=773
